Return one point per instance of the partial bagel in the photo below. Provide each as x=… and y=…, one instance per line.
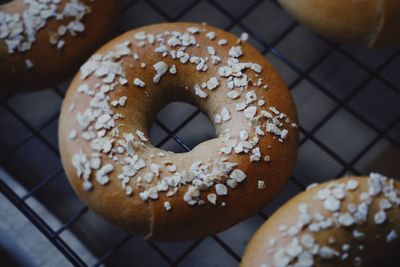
x=369, y=22
x=110, y=106
x=353, y=221
x=44, y=42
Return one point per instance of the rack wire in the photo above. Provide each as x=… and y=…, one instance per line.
x=389, y=133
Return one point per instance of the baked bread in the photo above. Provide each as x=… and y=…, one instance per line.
x=111, y=104
x=369, y=22
x=44, y=42
x=353, y=221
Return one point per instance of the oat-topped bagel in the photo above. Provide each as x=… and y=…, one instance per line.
x=43, y=42
x=353, y=221
x=110, y=106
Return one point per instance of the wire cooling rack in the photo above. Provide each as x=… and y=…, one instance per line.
x=349, y=107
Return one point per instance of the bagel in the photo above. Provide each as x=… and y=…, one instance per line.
x=110, y=106
x=44, y=42
x=353, y=221
x=369, y=22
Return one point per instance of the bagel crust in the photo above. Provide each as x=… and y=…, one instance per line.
x=44, y=42
x=111, y=104
x=369, y=22
x=353, y=221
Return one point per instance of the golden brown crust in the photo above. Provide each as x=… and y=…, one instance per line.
x=368, y=22
x=106, y=201
x=183, y=221
x=338, y=19
x=52, y=65
x=369, y=250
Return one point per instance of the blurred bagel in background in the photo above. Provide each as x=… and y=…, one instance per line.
x=364, y=22
x=44, y=42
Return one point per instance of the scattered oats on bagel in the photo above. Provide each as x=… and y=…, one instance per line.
x=43, y=42
x=353, y=221
x=369, y=22
x=110, y=106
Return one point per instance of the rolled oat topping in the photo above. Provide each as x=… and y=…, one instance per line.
x=19, y=31
x=99, y=123
x=303, y=249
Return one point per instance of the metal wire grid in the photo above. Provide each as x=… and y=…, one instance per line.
x=304, y=74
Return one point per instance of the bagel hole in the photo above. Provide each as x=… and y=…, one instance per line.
x=189, y=125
